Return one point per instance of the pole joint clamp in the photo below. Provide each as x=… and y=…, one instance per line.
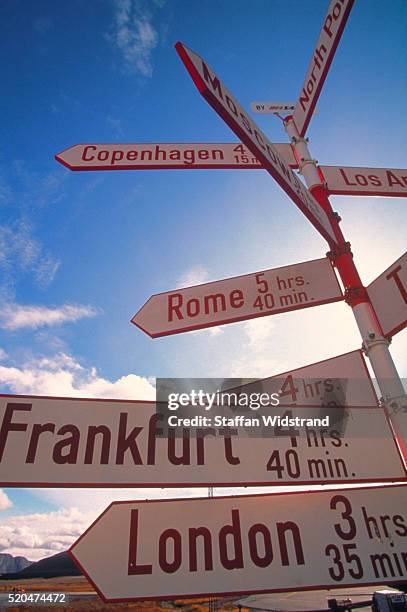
x=372, y=341
x=339, y=250
x=296, y=139
x=305, y=161
x=355, y=295
x=396, y=405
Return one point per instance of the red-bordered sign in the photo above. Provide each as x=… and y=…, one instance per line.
x=72, y=442
x=166, y=156
x=330, y=35
x=226, y=105
x=343, y=180
x=388, y=294
x=166, y=549
x=240, y=298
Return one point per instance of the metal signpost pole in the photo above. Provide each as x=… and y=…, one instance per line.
x=374, y=342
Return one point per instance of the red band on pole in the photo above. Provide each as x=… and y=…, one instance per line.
x=342, y=257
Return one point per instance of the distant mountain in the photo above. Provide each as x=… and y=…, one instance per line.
x=60, y=564
x=8, y=563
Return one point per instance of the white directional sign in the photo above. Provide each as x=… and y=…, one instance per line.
x=226, y=105
x=334, y=23
x=71, y=442
x=166, y=156
x=342, y=180
x=342, y=380
x=239, y=298
x=267, y=108
x=165, y=549
x=388, y=294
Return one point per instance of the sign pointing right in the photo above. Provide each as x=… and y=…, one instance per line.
x=342, y=180
x=330, y=35
x=388, y=294
x=310, y=283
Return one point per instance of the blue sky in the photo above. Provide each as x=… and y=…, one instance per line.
x=81, y=252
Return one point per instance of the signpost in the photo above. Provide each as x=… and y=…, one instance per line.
x=342, y=180
x=226, y=105
x=388, y=294
x=166, y=156
x=70, y=442
x=330, y=35
x=246, y=544
x=240, y=298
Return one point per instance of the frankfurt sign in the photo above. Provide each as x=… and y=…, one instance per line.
x=71, y=442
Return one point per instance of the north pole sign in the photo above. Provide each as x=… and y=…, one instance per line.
x=226, y=105
x=239, y=298
x=246, y=544
x=388, y=294
x=166, y=156
x=330, y=35
x=343, y=180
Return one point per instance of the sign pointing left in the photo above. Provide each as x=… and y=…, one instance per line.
x=164, y=549
x=226, y=105
x=166, y=156
x=310, y=283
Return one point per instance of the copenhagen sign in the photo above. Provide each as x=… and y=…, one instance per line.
x=166, y=156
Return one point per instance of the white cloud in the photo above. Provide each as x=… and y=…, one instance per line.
x=259, y=331
x=116, y=125
x=3, y=354
x=5, y=502
x=17, y=316
x=193, y=276
x=196, y=276
x=46, y=269
x=134, y=35
x=255, y=357
x=41, y=535
x=62, y=375
x=20, y=251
